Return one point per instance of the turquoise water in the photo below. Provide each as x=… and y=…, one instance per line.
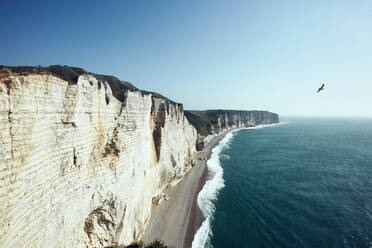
x=307, y=183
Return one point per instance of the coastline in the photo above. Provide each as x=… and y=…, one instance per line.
x=177, y=220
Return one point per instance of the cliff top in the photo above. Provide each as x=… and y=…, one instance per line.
x=71, y=75
x=203, y=120
x=212, y=114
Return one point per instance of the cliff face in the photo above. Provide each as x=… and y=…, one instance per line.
x=214, y=121
x=78, y=167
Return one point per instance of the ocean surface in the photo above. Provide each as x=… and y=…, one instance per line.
x=304, y=183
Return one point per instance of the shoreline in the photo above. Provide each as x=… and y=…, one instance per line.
x=196, y=219
x=177, y=220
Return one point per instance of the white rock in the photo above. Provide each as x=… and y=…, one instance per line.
x=78, y=172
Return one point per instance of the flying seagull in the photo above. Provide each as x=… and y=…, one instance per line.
x=321, y=88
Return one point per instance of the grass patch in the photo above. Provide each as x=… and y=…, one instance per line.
x=201, y=122
x=71, y=74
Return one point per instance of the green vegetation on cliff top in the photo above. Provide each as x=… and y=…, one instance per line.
x=71, y=74
x=203, y=120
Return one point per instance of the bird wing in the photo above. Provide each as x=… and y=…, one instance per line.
x=321, y=88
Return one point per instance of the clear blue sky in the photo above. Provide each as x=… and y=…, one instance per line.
x=208, y=54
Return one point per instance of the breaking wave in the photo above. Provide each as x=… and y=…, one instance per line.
x=212, y=187
x=266, y=125
x=209, y=193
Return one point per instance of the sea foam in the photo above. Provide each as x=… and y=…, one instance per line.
x=266, y=125
x=214, y=184
x=209, y=192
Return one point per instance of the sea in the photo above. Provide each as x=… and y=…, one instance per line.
x=306, y=182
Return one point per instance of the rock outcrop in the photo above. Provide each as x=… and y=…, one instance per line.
x=79, y=164
x=215, y=121
x=83, y=156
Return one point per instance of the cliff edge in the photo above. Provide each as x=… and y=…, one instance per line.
x=82, y=155
x=209, y=122
x=79, y=163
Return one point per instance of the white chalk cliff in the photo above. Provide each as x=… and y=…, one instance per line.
x=78, y=168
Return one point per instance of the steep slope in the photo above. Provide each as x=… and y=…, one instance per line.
x=79, y=165
x=215, y=121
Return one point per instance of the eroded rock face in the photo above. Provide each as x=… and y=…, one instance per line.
x=78, y=168
x=209, y=122
x=228, y=119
